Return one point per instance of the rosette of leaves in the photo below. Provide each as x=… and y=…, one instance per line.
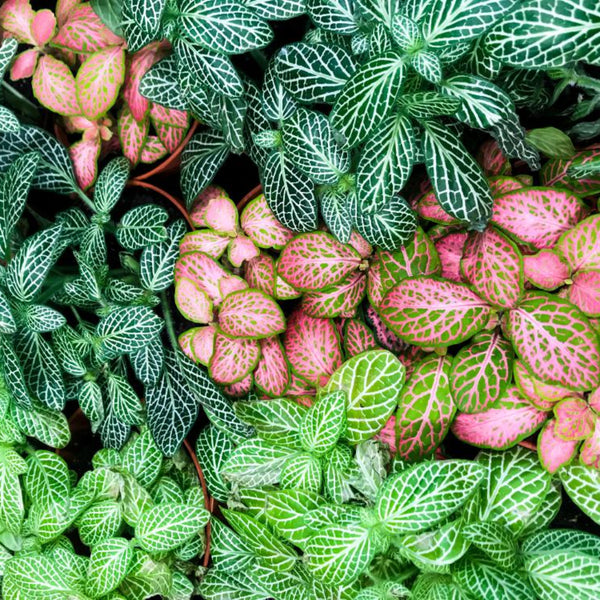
x=141, y=516
x=446, y=528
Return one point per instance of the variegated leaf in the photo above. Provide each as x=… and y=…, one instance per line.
x=272, y=371
x=233, y=359
x=357, y=338
x=582, y=484
x=574, y=419
x=341, y=299
x=54, y=86
x=554, y=451
x=261, y=226
x=546, y=269
x=580, y=246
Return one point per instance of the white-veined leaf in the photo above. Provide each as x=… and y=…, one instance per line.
x=336, y=16
x=142, y=226
x=582, y=484
x=110, y=184
x=108, y=566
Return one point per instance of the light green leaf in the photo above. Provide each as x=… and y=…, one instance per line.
x=552, y=142
x=213, y=447
x=47, y=479
x=48, y=426
x=100, y=522
x=325, y=422
x=302, y=471
x=546, y=511
x=13, y=375
x=228, y=551
x=552, y=540
x=143, y=459
x=109, y=563
x=582, y=484
x=91, y=403
x=136, y=500
x=110, y=184
x=12, y=509
x=496, y=541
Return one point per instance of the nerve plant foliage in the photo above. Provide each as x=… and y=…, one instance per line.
x=141, y=518
x=316, y=509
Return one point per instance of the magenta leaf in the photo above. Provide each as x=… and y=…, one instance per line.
x=99, y=80
x=375, y=291
x=193, y=303
x=545, y=270
x=386, y=338
x=429, y=208
x=594, y=400
x=357, y=338
x=132, y=135
x=555, y=340
x=241, y=249
x=337, y=300
x=201, y=343
x=206, y=241
x=203, y=271
x=16, y=17
x=139, y=65
x=300, y=390
x=221, y=215
x=231, y=283
x=510, y=420
x=361, y=245
x=84, y=155
x=584, y=292
x=24, y=65
x=388, y=434
x=590, y=449
x=481, y=372
x=185, y=343
x=250, y=314
x=427, y=311
x=493, y=265
x=425, y=408
x=261, y=226
x=574, y=419
x=314, y=261
x=554, y=452
x=42, y=27
x=450, y=251
x=541, y=394
x=537, y=216
x=170, y=125
x=284, y=291
x=198, y=211
x=580, y=246
x=259, y=272
x=272, y=372
x=153, y=150
x=54, y=87
x=233, y=359
x=503, y=185
x=491, y=159
x=312, y=347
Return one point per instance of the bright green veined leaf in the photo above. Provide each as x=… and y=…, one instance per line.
x=552, y=540
x=335, y=211
x=213, y=447
x=427, y=65
x=8, y=50
x=142, y=226
x=91, y=403
x=12, y=508
x=100, y=522
x=496, y=541
x=424, y=495
x=142, y=459
x=333, y=15
x=324, y=423
x=48, y=426
x=228, y=551
x=582, y=484
x=47, y=479
x=14, y=378
x=108, y=566
x=459, y=183
x=110, y=184
x=546, y=512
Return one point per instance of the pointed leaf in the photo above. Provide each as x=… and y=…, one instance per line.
x=54, y=86
x=233, y=359
x=261, y=226
x=272, y=371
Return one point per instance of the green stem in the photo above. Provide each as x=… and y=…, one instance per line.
x=169, y=321
x=16, y=100
x=85, y=199
x=260, y=58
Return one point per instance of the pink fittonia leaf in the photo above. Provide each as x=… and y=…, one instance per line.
x=170, y=125
x=193, y=303
x=99, y=80
x=545, y=270
x=537, y=216
x=260, y=273
x=16, y=17
x=388, y=434
x=202, y=343
x=357, y=338
x=525, y=179
x=361, y=245
x=375, y=291
x=250, y=314
x=312, y=347
x=202, y=270
x=241, y=249
x=502, y=185
x=300, y=390
x=272, y=372
x=554, y=173
x=493, y=265
x=337, y=300
x=429, y=208
x=185, y=343
x=198, y=211
x=132, y=135
x=574, y=419
x=261, y=226
x=590, y=449
x=594, y=400
x=580, y=246
x=24, y=65
x=63, y=9
x=450, y=250
x=153, y=150
x=222, y=215
x=84, y=155
x=83, y=32
x=510, y=420
x=556, y=342
x=427, y=311
x=241, y=388
x=425, y=409
x=42, y=27
x=386, y=338
x=204, y=240
x=233, y=359
x=585, y=292
x=54, y=87
x=284, y=291
x=554, y=452
x=481, y=372
x=491, y=159
x=230, y=284
x=314, y=261
x=538, y=392
x=140, y=63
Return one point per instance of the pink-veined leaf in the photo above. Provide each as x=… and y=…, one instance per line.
x=54, y=87
x=231, y=283
x=24, y=65
x=584, y=292
x=580, y=246
x=185, y=343
x=201, y=343
x=204, y=240
x=132, y=135
x=594, y=400
x=428, y=311
x=63, y=9
x=388, y=434
x=198, y=211
x=481, y=372
x=553, y=451
x=357, y=338
x=541, y=394
x=84, y=155
x=43, y=26
x=545, y=270
x=312, y=347
x=193, y=303
x=554, y=173
x=339, y=300
x=153, y=150
x=284, y=291
x=314, y=261
x=250, y=314
x=386, y=338
x=259, y=272
x=261, y=226
x=525, y=179
x=503, y=185
x=272, y=372
x=429, y=208
x=536, y=215
x=491, y=159
x=202, y=270
x=233, y=359
x=139, y=65
x=375, y=291
x=16, y=17
x=361, y=245
x=555, y=340
x=83, y=32
x=240, y=388
x=425, y=408
x=590, y=449
x=241, y=249
x=510, y=420
x=493, y=265
x=99, y=80
x=574, y=419
x=221, y=214
x=450, y=251
x=170, y=125
x=300, y=390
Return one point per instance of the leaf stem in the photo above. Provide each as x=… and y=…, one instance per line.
x=85, y=199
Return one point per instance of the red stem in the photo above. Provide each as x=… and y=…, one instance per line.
x=249, y=196
x=528, y=445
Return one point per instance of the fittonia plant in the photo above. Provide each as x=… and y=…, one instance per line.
x=139, y=517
